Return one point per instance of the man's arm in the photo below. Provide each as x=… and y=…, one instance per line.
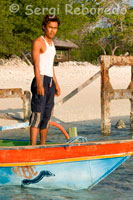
x=36, y=60
x=57, y=88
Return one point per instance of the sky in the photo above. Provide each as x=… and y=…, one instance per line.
x=131, y=2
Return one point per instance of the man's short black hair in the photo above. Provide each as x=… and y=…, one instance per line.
x=49, y=18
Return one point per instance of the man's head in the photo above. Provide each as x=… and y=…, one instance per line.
x=50, y=25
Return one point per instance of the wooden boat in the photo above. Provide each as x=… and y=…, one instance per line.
x=72, y=166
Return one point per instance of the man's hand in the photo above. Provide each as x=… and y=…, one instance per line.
x=40, y=90
x=57, y=91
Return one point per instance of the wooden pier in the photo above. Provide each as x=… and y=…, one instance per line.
x=18, y=93
x=108, y=93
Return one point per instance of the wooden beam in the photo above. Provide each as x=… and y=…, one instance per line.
x=26, y=105
x=69, y=54
x=131, y=100
x=105, y=98
x=10, y=93
x=118, y=60
x=120, y=94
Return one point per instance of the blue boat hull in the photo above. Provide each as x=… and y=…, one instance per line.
x=71, y=175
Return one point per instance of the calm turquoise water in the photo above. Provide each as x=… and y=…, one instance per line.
x=117, y=186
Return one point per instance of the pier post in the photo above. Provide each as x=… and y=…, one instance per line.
x=105, y=99
x=131, y=100
x=26, y=105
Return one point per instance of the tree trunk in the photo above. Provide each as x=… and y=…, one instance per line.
x=113, y=51
x=103, y=49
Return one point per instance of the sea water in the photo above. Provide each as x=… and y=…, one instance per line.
x=117, y=186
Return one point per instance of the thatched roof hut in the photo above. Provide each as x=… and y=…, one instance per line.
x=61, y=46
x=64, y=44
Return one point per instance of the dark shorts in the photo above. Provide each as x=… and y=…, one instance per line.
x=41, y=106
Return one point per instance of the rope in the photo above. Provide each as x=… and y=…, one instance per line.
x=77, y=139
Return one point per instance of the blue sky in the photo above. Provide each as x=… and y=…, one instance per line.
x=131, y=2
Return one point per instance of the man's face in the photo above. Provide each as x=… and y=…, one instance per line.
x=51, y=29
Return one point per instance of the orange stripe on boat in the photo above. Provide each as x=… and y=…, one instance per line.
x=65, y=160
x=57, y=152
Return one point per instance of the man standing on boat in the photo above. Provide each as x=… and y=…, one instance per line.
x=44, y=85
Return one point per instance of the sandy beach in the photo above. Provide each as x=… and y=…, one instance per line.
x=15, y=73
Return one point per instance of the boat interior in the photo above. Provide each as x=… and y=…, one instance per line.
x=21, y=137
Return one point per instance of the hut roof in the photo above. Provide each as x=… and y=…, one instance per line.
x=64, y=43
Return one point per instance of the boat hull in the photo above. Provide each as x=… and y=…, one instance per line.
x=72, y=166
x=71, y=175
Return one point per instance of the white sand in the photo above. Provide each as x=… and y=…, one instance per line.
x=83, y=106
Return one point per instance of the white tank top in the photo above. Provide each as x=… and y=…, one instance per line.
x=47, y=59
